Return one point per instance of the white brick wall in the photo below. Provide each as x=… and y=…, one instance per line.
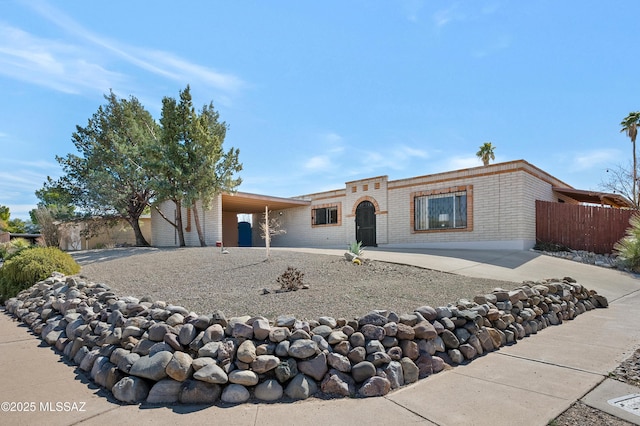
x=501, y=211
x=165, y=235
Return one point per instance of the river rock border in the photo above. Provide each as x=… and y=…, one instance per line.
x=154, y=352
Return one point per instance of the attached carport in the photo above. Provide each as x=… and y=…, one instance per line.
x=595, y=197
x=247, y=203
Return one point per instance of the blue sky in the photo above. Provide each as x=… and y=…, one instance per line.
x=320, y=93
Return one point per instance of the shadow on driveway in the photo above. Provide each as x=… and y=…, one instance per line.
x=87, y=257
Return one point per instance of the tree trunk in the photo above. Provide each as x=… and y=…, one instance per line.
x=196, y=219
x=635, y=176
x=179, y=223
x=135, y=224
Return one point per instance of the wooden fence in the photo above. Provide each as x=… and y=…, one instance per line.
x=580, y=227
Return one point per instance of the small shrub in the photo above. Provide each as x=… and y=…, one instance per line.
x=30, y=266
x=552, y=247
x=291, y=279
x=13, y=247
x=628, y=248
x=356, y=248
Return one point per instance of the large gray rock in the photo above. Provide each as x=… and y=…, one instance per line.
x=246, y=352
x=450, y=340
x=357, y=339
x=166, y=391
x=261, y=329
x=209, y=350
x=188, y=332
x=338, y=383
x=373, y=332
x=279, y=334
x=394, y=374
x=152, y=367
x=213, y=333
x=198, y=392
x=286, y=370
x=321, y=330
x=107, y=374
x=339, y=362
x=336, y=337
x=243, y=377
x=425, y=330
x=211, y=373
x=264, y=363
x=362, y=371
x=180, y=367
x=303, y=348
x=410, y=370
x=375, y=386
x=131, y=390
x=235, y=394
x=301, y=387
x=315, y=367
x=373, y=318
x=269, y=390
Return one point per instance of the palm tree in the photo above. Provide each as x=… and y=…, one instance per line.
x=486, y=153
x=630, y=127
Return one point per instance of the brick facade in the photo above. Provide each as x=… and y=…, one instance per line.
x=500, y=208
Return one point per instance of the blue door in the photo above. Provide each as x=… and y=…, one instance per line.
x=244, y=234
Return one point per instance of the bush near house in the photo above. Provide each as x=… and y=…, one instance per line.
x=628, y=248
x=30, y=266
x=13, y=247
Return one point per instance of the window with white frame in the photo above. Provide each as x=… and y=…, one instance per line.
x=441, y=211
x=325, y=216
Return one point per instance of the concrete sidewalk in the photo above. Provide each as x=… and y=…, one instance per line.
x=529, y=383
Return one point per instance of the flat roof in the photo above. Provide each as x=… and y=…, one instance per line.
x=595, y=197
x=244, y=202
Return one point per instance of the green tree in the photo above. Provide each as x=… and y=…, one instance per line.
x=189, y=162
x=15, y=226
x=630, y=128
x=56, y=199
x=486, y=153
x=109, y=178
x=4, y=217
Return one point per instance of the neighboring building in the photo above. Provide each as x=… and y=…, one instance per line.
x=487, y=207
x=5, y=237
x=72, y=235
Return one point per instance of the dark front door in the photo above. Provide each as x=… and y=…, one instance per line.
x=366, y=224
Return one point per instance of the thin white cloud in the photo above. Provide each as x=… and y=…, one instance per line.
x=51, y=64
x=85, y=63
x=443, y=17
x=456, y=163
x=318, y=163
x=467, y=12
x=161, y=63
x=594, y=159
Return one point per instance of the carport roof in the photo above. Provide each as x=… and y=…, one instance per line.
x=595, y=197
x=244, y=202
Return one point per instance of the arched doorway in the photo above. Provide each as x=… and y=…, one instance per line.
x=366, y=224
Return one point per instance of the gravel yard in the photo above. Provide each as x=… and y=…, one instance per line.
x=204, y=280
